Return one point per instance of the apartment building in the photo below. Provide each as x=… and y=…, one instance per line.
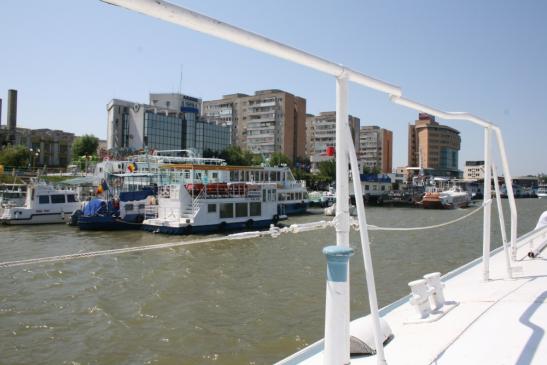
x=268, y=121
x=434, y=146
x=376, y=148
x=321, y=133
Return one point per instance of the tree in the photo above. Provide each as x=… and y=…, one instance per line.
x=85, y=145
x=327, y=170
x=18, y=156
x=234, y=155
x=278, y=159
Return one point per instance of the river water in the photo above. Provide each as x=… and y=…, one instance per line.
x=229, y=302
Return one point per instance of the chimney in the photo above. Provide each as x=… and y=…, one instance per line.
x=12, y=115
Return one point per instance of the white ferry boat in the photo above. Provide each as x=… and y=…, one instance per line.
x=198, y=208
x=542, y=191
x=43, y=205
x=452, y=198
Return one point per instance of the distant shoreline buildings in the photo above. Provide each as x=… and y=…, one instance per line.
x=47, y=147
x=433, y=146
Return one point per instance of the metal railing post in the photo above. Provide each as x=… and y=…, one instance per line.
x=510, y=194
x=502, y=222
x=337, y=348
x=487, y=206
x=365, y=246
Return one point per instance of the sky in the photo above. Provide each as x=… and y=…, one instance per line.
x=69, y=58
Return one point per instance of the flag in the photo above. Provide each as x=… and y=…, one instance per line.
x=132, y=167
x=104, y=185
x=100, y=189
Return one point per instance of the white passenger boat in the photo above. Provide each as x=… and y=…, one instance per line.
x=12, y=195
x=542, y=191
x=452, y=198
x=197, y=208
x=43, y=205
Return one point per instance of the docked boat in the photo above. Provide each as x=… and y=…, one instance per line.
x=43, y=205
x=448, y=199
x=120, y=213
x=12, y=195
x=196, y=208
x=542, y=191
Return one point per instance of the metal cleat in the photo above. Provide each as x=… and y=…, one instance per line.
x=420, y=297
x=437, y=295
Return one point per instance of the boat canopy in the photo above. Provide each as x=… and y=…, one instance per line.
x=94, y=206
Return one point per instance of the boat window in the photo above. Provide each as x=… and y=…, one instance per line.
x=43, y=199
x=383, y=188
x=128, y=207
x=226, y=210
x=366, y=187
x=256, y=209
x=278, y=175
x=71, y=198
x=264, y=195
x=58, y=199
x=141, y=206
x=241, y=210
x=211, y=208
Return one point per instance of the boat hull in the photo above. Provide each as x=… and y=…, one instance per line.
x=292, y=208
x=189, y=229
x=41, y=218
x=108, y=223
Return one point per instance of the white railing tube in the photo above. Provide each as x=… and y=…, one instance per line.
x=365, y=247
x=337, y=349
x=201, y=23
x=510, y=193
x=502, y=222
x=487, y=212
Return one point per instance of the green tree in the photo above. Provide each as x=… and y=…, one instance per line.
x=278, y=159
x=18, y=156
x=327, y=170
x=85, y=145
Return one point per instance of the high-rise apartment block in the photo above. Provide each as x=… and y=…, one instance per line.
x=268, y=121
x=321, y=133
x=435, y=146
x=168, y=122
x=376, y=148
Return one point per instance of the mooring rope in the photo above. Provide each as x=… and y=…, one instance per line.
x=272, y=232
x=377, y=228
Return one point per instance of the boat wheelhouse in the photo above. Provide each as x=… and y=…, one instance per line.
x=43, y=205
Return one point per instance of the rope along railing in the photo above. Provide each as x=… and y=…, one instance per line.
x=273, y=232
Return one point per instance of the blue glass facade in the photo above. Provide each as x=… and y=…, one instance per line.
x=448, y=159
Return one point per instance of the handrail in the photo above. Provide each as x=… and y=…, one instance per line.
x=196, y=201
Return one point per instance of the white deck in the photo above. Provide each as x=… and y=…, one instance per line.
x=497, y=322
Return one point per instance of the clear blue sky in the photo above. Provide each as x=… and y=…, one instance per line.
x=68, y=58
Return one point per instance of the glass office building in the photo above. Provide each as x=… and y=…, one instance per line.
x=183, y=131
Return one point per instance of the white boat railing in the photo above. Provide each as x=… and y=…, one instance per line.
x=337, y=352
x=196, y=202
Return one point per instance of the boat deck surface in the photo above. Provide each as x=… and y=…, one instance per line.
x=496, y=322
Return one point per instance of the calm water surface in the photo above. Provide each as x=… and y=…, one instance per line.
x=229, y=302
